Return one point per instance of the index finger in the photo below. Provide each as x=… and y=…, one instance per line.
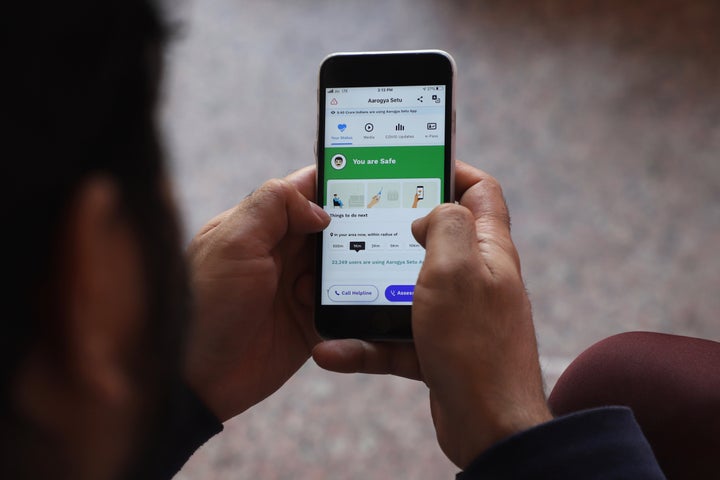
x=465, y=177
x=482, y=194
x=358, y=356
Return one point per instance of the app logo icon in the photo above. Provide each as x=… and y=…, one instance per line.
x=333, y=101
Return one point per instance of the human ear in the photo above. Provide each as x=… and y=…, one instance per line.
x=77, y=382
x=106, y=294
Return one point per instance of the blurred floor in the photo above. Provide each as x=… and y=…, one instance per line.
x=600, y=119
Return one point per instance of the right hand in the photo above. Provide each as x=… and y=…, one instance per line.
x=474, y=340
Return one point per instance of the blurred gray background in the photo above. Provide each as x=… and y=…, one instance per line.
x=600, y=119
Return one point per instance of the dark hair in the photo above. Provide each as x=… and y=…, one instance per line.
x=79, y=88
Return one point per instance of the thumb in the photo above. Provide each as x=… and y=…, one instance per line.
x=448, y=235
x=450, y=275
x=271, y=212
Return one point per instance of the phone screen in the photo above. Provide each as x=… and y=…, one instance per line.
x=384, y=160
x=380, y=144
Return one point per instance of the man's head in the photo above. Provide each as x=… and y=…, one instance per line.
x=97, y=298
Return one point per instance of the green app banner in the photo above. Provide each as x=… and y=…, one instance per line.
x=361, y=163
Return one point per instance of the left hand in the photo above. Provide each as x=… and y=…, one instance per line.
x=251, y=275
x=474, y=339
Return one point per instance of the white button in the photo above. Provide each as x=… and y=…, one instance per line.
x=353, y=293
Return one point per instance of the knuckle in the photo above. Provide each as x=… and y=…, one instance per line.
x=494, y=188
x=493, y=184
x=450, y=265
x=453, y=272
x=452, y=215
x=501, y=217
x=271, y=191
x=275, y=186
x=456, y=276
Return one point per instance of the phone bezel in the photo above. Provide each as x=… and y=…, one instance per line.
x=367, y=69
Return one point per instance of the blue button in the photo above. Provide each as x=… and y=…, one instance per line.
x=400, y=293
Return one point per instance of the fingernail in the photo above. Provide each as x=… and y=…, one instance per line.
x=319, y=211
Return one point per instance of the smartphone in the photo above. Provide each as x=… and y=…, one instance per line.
x=386, y=135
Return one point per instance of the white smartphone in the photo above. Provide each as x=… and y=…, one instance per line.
x=385, y=156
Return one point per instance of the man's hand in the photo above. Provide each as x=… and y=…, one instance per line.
x=251, y=270
x=474, y=340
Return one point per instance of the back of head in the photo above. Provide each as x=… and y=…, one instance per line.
x=77, y=100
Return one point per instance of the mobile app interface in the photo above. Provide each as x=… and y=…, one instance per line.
x=384, y=157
